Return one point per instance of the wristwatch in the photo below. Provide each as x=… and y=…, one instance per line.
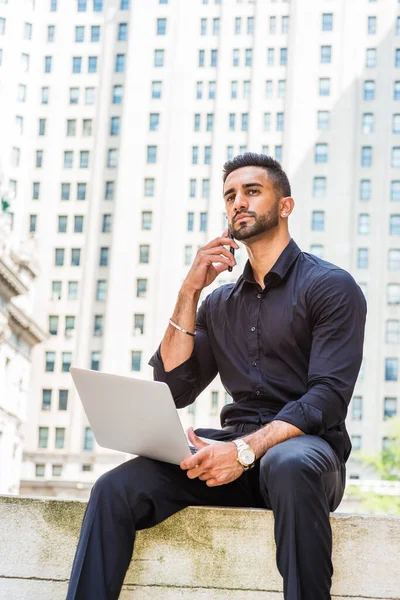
x=246, y=456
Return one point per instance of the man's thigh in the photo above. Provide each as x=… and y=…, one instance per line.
x=305, y=455
x=156, y=490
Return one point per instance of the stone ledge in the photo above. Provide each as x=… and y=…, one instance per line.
x=193, y=555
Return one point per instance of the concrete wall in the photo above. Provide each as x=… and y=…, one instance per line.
x=194, y=555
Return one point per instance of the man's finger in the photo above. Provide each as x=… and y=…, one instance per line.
x=196, y=441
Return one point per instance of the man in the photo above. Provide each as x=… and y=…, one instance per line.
x=287, y=341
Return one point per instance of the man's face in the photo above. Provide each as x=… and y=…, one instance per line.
x=251, y=203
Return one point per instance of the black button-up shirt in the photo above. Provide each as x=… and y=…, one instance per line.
x=290, y=352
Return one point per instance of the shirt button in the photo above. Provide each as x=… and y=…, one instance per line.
x=254, y=364
x=258, y=392
x=253, y=329
x=258, y=296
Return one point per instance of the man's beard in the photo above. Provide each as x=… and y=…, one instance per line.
x=256, y=225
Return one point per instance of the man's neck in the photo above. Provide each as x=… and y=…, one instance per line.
x=264, y=253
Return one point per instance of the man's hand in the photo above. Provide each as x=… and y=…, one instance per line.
x=216, y=464
x=211, y=260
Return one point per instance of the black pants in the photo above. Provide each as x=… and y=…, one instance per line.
x=301, y=480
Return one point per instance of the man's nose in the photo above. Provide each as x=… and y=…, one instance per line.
x=240, y=202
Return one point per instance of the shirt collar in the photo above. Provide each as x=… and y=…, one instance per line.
x=277, y=273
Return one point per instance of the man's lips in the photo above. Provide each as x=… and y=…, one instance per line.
x=242, y=217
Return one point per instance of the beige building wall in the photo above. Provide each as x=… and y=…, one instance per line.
x=278, y=72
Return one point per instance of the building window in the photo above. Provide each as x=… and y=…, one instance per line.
x=389, y=408
x=323, y=120
x=369, y=90
x=95, y=33
x=248, y=57
x=393, y=293
x=203, y=221
x=27, y=30
x=370, y=60
x=199, y=90
x=238, y=25
x=159, y=58
x=32, y=223
x=317, y=250
x=65, y=191
x=356, y=442
x=214, y=58
x=207, y=155
x=270, y=56
x=43, y=437
x=40, y=469
x=101, y=290
x=368, y=123
x=95, y=361
x=66, y=361
x=112, y=158
x=73, y=95
x=327, y=22
x=136, y=360
x=53, y=5
x=156, y=89
x=154, y=121
x=124, y=5
x=147, y=220
x=69, y=325
x=75, y=257
x=362, y=258
x=319, y=187
x=280, y=121
x=324, y=86
x=283, y=56
x=394, y=260
x=138, y=323
x=35, y=190
x=245, y=122
x=68, y=159
x=366, y=156
x=79, y=35
x=392, y=331
x=356, y=408
x=82, y=5
x=192, y=188
x=120, y=63
x=56, y=470
x=62, y=223
x=115, y=126
x=76, y=64
x=72, y=290
x=144, y=254
x=88, y=440
x=104, y=256
x=188, y=251
x=246, y=89
x=232, y=122
x=90, y=95
x=98, y=325
x=212, y=88
x=363, y=224
x=205, y=188
x=149, y=185
x=141, y=288
x=151, y=154
x=190, y=221
x=107, y=222
x=92, y=64
x=326, y=54
x=50, y=362
x=59, y=257
x=321, y=153
x=365, y=189
x=391, y=369
x=60, y=437
x=397, y=58
x=371, y=26
x=318, y=220
x=109, y=190
x=46, y=399
x=87, y=127
x=62, y=399
x=394, y=225
x=195, y=155
x=161, y=26
x=84, y=159
x=47, y=64
x=71, y=127
x=117, y=94
x=122, y=35
x=39, y=159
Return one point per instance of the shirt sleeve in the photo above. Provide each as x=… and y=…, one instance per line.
x=337, y=312
x=190, y=378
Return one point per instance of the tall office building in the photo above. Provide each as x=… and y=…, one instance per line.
x=116, y=119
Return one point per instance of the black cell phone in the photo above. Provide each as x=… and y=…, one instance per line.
x=231, y=250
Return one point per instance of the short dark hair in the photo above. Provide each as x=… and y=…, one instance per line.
x=275, y=172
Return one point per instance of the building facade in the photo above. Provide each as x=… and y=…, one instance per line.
x=118, y=116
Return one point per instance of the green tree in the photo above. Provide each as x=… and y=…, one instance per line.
x=5, y=205
x=386, y=465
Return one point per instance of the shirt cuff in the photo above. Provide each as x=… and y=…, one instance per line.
x=304, y=416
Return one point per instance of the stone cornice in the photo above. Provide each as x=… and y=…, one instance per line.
x=10, y=279
x=26, y=324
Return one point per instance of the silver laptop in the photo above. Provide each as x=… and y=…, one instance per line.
x=132, y=415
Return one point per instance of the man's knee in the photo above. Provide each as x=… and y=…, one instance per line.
x=127, y=476
x=286, y=460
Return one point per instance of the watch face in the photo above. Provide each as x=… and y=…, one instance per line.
x=247, y=456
